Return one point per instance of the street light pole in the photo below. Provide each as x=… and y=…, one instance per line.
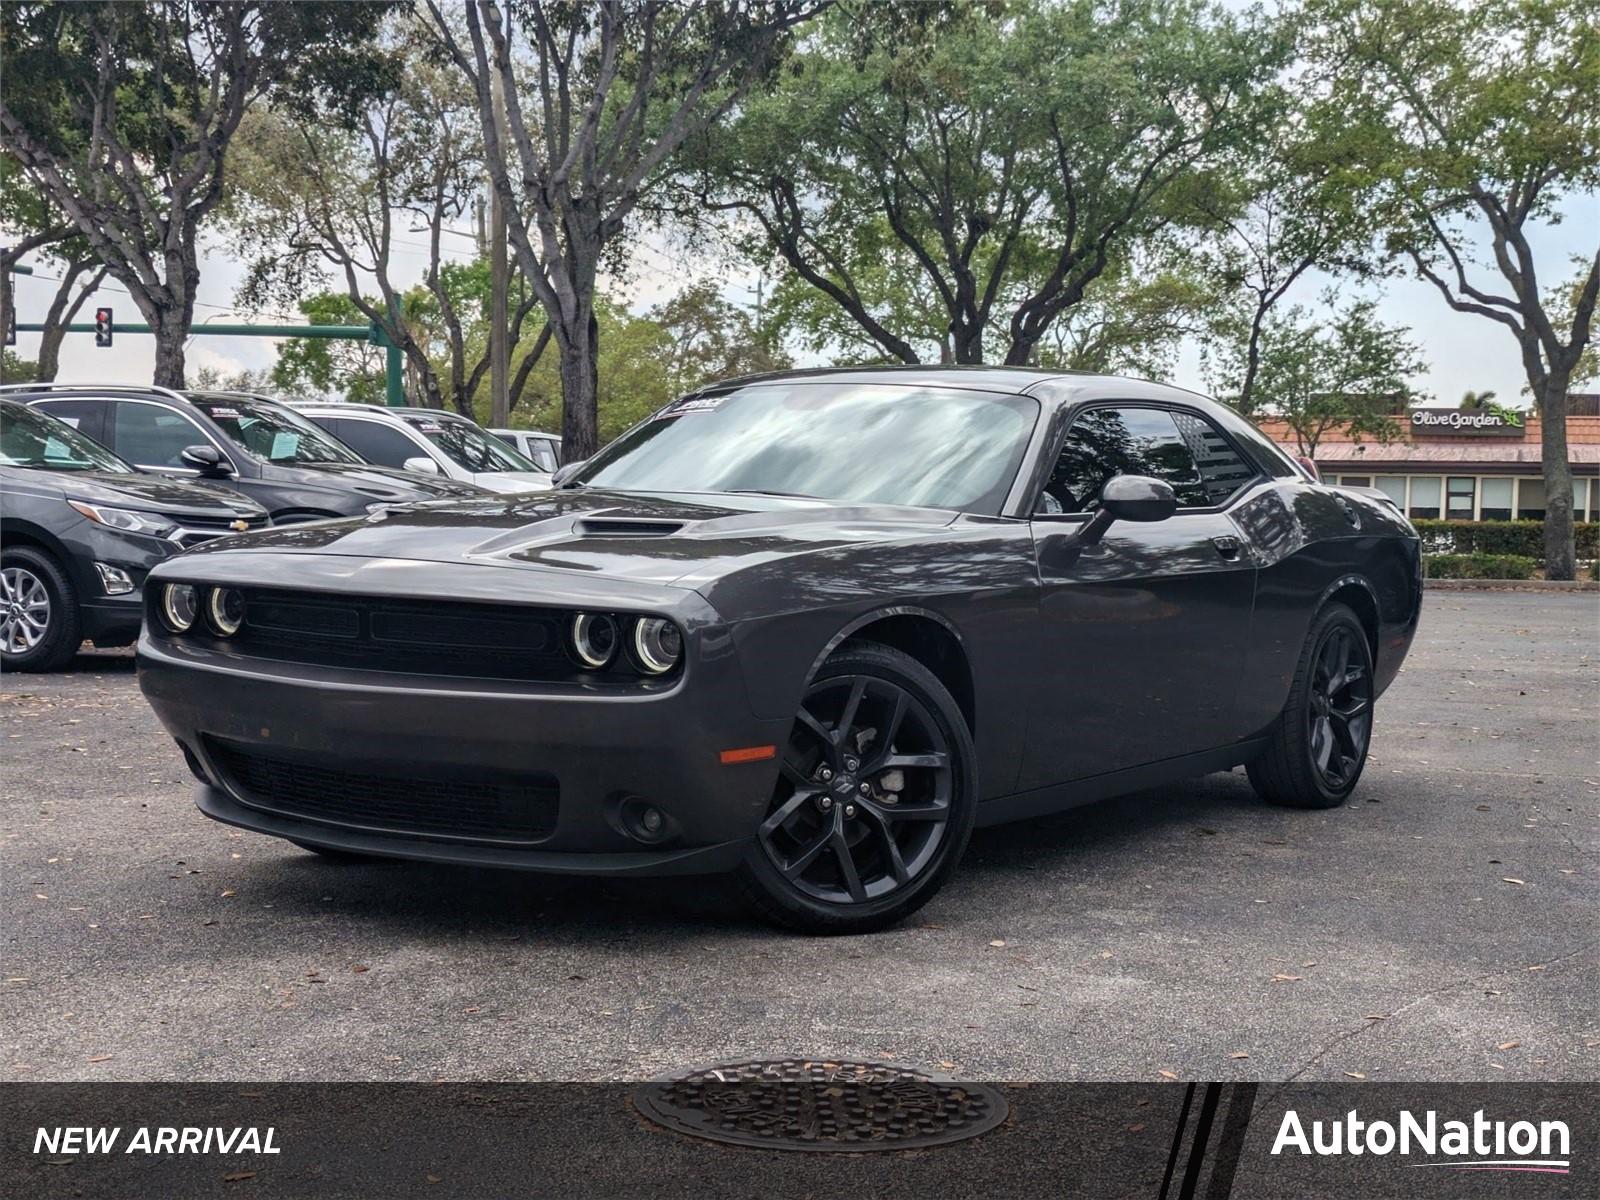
x=499, y=331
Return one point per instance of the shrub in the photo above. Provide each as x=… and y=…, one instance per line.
x=1520, y=538
x=1479, y=566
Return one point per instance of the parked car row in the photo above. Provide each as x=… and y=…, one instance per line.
x=102, y=481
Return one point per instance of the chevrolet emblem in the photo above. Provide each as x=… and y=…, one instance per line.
x=240, y=526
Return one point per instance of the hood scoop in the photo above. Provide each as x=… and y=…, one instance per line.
x=626, y=527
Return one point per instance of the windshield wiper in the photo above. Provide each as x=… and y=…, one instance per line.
x=768, y=492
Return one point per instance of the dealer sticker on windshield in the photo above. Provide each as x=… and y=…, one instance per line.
x=692, y=405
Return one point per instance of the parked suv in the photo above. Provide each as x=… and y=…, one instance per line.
x=543, y=448
x=431, y=441
x=256, y=446
x=80, y=529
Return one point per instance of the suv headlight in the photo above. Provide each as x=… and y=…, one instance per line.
x=125, y=519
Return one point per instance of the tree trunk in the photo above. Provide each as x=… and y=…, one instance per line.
x=1560, y=556
x=171, y=331
x=580, y=383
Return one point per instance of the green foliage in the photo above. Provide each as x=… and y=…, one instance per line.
x=319, y=367
x=20, y=370
x=1478, y=566
x=955, y=180
x=1520, y=538
x=1336, y=368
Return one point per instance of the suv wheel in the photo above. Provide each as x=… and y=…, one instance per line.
x=39, y=628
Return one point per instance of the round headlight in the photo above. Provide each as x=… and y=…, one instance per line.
x=594, y=639
x=180, y=604
x=226, y=610
x=657, y=645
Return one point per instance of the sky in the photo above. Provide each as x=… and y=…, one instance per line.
x=1463, y=352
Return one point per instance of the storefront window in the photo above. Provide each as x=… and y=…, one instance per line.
x=1394, y=487
x=1356, y=480
x=1580, y=492
x=1425, y=496
x=1496, y=501
x=1530, y=499
x=1459, y=494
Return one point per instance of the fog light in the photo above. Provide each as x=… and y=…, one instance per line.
x=644, y=822
x=657, y=645
x=226, y=610
x=594, y=639
x=180, y=604
x=114, y=580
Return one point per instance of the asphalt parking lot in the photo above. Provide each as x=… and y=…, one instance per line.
x=1440, y=926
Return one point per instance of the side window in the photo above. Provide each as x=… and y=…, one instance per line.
x=374, y=442
x=1223, y=470
x=1105, y=442
x=148, y=435
x=543, y=452
x=86, y=416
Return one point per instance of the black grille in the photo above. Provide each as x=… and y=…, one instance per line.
x=425, y=637
x=204, y=529
x=453, y=804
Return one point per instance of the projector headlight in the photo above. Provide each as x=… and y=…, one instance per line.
x=594, y=639
x=657, y=645
x=180, y=604
x=225, y=608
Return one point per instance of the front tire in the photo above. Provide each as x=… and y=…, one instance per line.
x=39, y=623
x=1319, y=744
x=875, y=801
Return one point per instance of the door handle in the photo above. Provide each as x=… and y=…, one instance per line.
x=1227, y=545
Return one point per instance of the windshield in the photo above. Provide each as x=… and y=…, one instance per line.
x=470, y=447
x=272, y=432
x=868, y=443
x=29, y=438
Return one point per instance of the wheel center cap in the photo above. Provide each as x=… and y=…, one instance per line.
x=843, y=785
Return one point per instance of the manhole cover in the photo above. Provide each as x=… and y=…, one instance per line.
x=813, y=1104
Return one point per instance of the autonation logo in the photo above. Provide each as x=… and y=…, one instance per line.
x=1476, y=1145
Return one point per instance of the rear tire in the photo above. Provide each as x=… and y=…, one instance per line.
x=1319, y=743
x=831, y=858
x=39, y=611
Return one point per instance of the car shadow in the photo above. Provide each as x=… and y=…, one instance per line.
x=425, y=900
x=91, y=660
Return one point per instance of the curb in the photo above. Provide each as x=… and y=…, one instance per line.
x=1512, y=585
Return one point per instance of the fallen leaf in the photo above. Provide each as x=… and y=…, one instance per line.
x=433, y=1179
x=229, y=892
x=360, y=968
x=238, y=1176
x=998, y=942
x=1355, y=1074
x=1282, y=978
x=1509, y=879
x=1240, y=1054
x=100, y=1058
x=948, y=1066
x=1168, y=1074
x=1139, y=1128
x=1376, y=1017
x=1508, y=1045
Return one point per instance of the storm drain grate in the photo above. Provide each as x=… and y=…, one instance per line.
x=814, y=1104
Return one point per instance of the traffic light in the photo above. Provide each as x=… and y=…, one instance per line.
x=103, y=328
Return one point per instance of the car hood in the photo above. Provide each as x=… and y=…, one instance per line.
x=678, y=540
x=513, y=481
x=379, y=483
x=153, y=493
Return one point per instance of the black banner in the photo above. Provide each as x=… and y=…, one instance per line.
x=1163, y=1142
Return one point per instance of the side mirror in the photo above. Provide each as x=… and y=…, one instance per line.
x=208, y=460
x=1137, y=498
x=421, y=463
x=564, y=473
x=1123, y=498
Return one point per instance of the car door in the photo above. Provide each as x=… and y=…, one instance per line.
x=1142, y=636
x=153, y=437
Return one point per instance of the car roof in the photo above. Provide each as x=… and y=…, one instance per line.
x=530, y=432
x=1043, y=382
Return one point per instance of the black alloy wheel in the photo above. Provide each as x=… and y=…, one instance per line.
x=874, y=800
x=1319, y=745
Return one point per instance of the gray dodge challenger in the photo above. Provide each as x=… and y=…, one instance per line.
x=808, y=628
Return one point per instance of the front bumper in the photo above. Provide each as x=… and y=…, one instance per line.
x=599, y=746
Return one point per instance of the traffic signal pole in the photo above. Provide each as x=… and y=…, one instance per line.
x=394, y=366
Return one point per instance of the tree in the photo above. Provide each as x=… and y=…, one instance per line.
x=580, y=107
x=34, y=225
x=123, y=114
x=1014, y=154
x=1339, y=369
x=317, y=366
x=320, y=202
x=1480, y=121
